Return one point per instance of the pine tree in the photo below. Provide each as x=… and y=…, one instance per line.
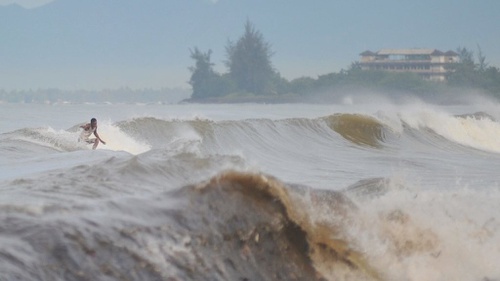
x=249, y=62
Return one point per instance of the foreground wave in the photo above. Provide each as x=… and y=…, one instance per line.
x=406, y=195
x=236, y=226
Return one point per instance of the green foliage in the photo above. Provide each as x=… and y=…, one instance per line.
x=464, y=73
x=491, y=80
x=362, y=79
x=249, y=62
x=250, y=70
x=469, y=74
x=252, y=77
x=204, y=80
x=303, y=85
x=405, y=82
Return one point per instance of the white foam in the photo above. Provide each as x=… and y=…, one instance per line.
x=117, y=140
x=431, y=234
x=479, y=133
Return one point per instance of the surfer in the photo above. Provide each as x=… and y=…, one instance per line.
x=88, y=130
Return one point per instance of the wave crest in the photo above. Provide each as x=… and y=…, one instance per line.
x=268, y=216
x=359, y=129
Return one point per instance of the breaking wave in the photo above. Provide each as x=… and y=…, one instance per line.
x=241, y=226
x=138, y=135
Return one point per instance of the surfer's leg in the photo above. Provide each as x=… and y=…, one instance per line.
x=96, y=142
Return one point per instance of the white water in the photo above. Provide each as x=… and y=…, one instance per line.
x=437, y=219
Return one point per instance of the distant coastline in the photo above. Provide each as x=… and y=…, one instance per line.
x=343, y=95
x=120, y=95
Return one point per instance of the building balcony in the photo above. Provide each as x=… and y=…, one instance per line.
x=399, y=62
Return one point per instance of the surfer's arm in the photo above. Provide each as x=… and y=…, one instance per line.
x=99, y=138
x=85, y=127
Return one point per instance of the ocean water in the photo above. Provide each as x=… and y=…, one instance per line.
x=373, y=191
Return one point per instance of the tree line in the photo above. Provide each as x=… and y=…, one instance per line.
x=252, y=77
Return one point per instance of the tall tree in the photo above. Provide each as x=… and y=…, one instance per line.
x=204, y=80
x=482, y=65
x=202, y=72
x=464, y=73
x=249, y=62
x=468, y=73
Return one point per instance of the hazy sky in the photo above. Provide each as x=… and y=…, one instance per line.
x=95, y=44
x=26, y=3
